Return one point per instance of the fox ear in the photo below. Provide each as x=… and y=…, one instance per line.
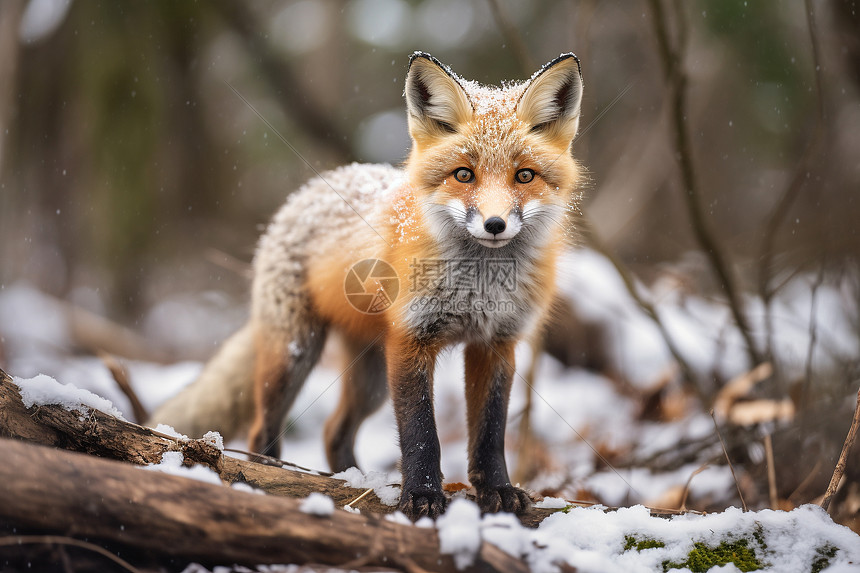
x=435, y=100
x=552, y=99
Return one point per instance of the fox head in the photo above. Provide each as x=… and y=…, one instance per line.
x=489, y=165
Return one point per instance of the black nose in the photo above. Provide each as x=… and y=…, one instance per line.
x=494, y=225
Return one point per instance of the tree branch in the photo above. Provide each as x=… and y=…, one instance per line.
x=676, y=79
x=777, y=216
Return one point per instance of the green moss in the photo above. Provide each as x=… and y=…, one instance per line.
x=758, y=535
x=702, y=557
x=631, y=542
x=824, y=555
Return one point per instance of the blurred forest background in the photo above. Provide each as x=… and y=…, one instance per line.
x=722, y=139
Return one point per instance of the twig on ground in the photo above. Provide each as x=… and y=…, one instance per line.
x=276, y=462
x=771, y=472
x=700, y=469
x=731, y=466
x=13, y=540
x=359, y=498
x=120, y=376
x=839, y=470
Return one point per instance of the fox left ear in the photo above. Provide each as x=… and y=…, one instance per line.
x=552, y=100
x=435, y=100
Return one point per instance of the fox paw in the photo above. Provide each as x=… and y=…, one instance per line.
x=505, y=498
x=418, y=503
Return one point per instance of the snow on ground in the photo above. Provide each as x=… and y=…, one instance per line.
x=42, y=389
x=379, y=482
x=595, y=541
x=171, y=463
x=317, y=504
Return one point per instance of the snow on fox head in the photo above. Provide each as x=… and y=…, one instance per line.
x=493, y=165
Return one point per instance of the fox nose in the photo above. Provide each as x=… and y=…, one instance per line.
x=494, y=225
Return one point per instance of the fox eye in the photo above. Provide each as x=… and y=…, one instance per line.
x=525, y=175
x=464, y=175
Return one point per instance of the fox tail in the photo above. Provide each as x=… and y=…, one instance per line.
x=221, y=398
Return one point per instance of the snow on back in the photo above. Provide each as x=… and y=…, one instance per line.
x=43, y=390
x=317, y=504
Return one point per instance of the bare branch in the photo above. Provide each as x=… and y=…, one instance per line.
x=777, y=217
x=839, y=470
x=676, y=79
x=728, y=459
x=120, y=376
x=689, y=377
x=813, y=333
x=771, y=472
x=17, y=540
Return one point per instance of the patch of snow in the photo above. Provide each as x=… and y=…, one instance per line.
x=171, y=463
x=593, y=541
x=398, y=517
x=170, y=431
x=506, y=532
x=215, y=439
x=460, y=532
x=242, y=486
x=379, y=482
x=552, y=503
x=317, y=504
x=42, y=390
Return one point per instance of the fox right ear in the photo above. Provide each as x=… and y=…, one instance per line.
x=435, y=100
x=552, y=99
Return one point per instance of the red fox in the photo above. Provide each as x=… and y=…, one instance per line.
x=458, y=246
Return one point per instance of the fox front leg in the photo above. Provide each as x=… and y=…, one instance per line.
x=489, y=373
x=410, y=382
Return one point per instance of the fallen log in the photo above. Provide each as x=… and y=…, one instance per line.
x=100, y=434
x=88, y=497
x=103, y=435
